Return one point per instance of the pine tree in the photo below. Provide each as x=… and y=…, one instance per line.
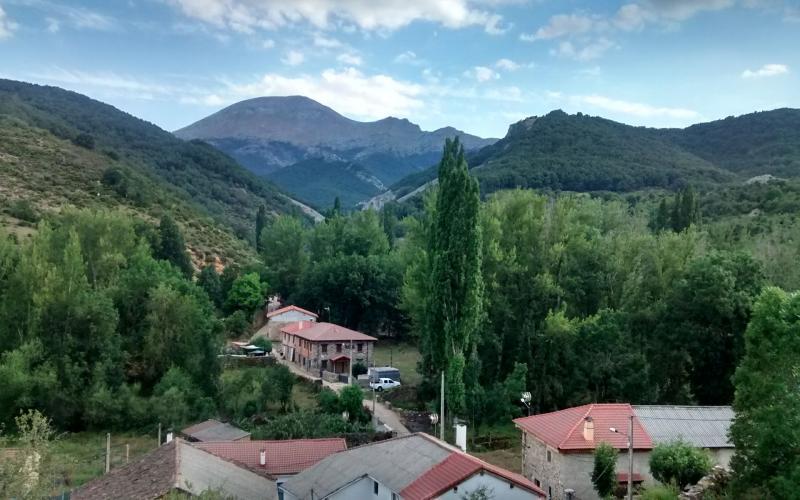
x=172, y=246
x=688, y=208
x=261, y=223
x=456, y=283
x=662, y=216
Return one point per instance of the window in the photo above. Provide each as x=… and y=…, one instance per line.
x=360, y=347
x=375, y=487
x=324, y=348
x=339, y=349
x=325, y=364
x=537, y=483
x=394, y=496
x=549, y=456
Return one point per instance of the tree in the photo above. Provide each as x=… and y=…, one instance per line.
x=283, y=249
x=246, y=294
x=261, y=223
x=679, y=463
x=264, y=343
x=209, y=281
x=604, y=473
x=456, y=285
x=351, y=400
x=283, y=380
x=767, y=402
x=84, y=140
x=172, y=246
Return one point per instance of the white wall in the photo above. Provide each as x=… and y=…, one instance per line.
x=498, y=488
x=291, y=317
x=362, y=489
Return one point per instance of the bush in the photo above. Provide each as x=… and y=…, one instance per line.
x=351, y=400
x=359, y=369
x=679, y=463
x=264, y=343
x=604, y=474
x=236, y=324
x=84, y=141
x=328, y=401
x=660, y=492
x=24, y=210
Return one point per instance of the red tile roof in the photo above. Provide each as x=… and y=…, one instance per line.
x=283, y=457
x=325, y=332
x=563, y=429
x=454, y=470
x=291, y=308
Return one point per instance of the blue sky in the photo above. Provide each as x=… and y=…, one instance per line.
x=478, y=65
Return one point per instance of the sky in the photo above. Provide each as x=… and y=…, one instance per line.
x=477, y=65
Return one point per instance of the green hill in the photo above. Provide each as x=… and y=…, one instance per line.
x=59, y=147
x=766, y=142
x=584, y=153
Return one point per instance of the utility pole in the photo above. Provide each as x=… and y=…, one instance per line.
x=630, y=458
x=127, y=452
x=441, y=411
x=350, y=380
x=108, y=452
x=159, y=433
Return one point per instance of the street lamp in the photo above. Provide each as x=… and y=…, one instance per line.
x=434, y=420
x=630, y=454
x=526, y=400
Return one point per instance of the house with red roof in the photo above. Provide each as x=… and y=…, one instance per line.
x=558, y=447
x=277, y=319
x=409, y=467
x=325, y=347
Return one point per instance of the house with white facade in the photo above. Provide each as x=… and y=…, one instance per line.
x=277, y=319
x=409, y=467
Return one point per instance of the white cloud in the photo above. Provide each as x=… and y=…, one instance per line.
x=248, y=15
x=561, y=25
x=637, y=109
x=293, y=58
x=766, y=70
x=326, y=42
x=482, y=74
x=268, y=43
x=81, y=18
x=588, y=52
x=494, y=25
x=407, y=57
x=507, y=65
x=348, y=91
x=7, y=26
x=351, y=59
x=108, y=81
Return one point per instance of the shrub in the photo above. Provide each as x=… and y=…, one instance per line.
x=328, y=401
x=264, y=343
x=236, y=324
x=84, y=141
x=24, y=210
x=359, y=369
x=604, y=474
x=660, y=492
x=679, y=463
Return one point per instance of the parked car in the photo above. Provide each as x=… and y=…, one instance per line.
x=382, y=384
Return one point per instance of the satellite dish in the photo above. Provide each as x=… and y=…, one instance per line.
x=434, y=418
x=526, y=397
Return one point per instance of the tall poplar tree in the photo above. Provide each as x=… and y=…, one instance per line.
x=261, y=223
x=172, y=246
x=454, y=302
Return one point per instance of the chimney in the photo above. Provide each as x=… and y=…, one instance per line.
x=262, y=457
x=302, y=324
x=588, y=429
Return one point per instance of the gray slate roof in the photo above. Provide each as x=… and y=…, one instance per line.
x=214, y=430
x=395, y=463
x=700, y=426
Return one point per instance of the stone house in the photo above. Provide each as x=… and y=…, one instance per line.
x=325, y=347
x=558, y=447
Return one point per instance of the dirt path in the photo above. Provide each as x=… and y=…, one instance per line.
x=388, y=417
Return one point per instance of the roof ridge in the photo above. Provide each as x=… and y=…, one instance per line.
x=575, y=426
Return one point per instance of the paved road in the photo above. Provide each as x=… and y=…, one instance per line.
x=385, y=415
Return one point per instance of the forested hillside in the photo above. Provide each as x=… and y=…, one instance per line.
x=59, y=147
x=767, y=142
x=582, y=153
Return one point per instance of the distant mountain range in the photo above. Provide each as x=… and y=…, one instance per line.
x=317, y=154
x=579, y=152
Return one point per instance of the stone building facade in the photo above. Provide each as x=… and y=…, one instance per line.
x=325, y=347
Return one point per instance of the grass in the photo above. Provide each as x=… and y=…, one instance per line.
x=304, y=395
x=80, y=457
x=401, y=355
